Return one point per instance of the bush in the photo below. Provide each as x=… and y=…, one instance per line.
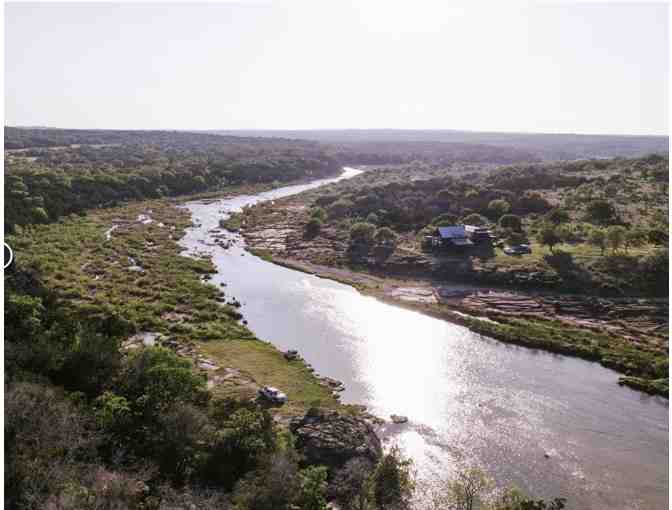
x=548, y=236
x=362, y=233
x=313, y=227
x=319, y=213
x=475, y=219
x=616, y=237
x=385, y=235
x=557, y=216
x=45, y=434
x=340, y=208
x=498, y=208
x=601, y=212
x=242, y=439
x=393, y=481
x=445, y=220
x=511, y=222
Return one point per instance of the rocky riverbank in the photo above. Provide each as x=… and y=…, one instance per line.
x=626, y=334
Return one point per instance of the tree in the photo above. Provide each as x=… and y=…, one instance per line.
x=444, y=220
x=658, y=236
x=601, y=212
x=340, y=208
x=373, y=218
x=497, y=208
x=319, y=213
x=598, y=238
x=393, y=481
x=475, y=219
x=635, y=238
x=557, y=216
x=353, y=484
x=511, y=222
x=532, y=202
x=312, y=488
x=548, y=236
x=616, y=237
x=385, y=235
x=465, y=492
x=362, y=233
x=313, y=227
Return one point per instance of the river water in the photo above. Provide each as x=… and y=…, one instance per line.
x=552, y=425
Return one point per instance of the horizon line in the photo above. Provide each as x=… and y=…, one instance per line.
x=205, y=130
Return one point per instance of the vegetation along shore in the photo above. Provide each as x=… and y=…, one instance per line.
x=594, y=283
x=150, y=373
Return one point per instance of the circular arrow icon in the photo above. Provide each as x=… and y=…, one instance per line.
x=9, y=256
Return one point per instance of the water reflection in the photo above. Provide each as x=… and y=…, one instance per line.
x=555, y=425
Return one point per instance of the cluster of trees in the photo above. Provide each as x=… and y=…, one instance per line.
x=437, y=153
x=51, y=183
x=410, y=206
x=90, y=426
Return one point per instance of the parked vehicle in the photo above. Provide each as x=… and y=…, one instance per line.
x=273, y=394
x=518, y=249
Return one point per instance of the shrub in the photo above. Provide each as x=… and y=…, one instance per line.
x=475, y=219
x=548, y=236
x=511, y=222
x=393, y=481
x=313, y=227
x=362, y=233
x=497, y=208
x=616, y=237
x=601, y=212
x=385, y=235
x=598, y=238
x=445, y=220
x=557, y=216
x=319, y=213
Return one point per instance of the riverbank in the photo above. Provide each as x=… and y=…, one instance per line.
x=127, y=261
x=625, y=335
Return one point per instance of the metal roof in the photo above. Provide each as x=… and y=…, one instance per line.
x=456, y=231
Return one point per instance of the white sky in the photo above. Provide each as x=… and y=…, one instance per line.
x=582, y=68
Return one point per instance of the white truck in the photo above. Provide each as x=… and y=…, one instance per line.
x=273, y=394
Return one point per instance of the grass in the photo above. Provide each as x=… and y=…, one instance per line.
x=583, y=252
x=91, y=276
x=265, y=364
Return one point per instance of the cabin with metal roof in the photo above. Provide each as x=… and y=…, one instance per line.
x=454, y=236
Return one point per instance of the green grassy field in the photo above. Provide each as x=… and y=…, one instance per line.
x=93, y=277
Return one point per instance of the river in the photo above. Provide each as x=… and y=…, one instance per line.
x=552, y=425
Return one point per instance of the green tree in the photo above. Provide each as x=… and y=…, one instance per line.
x=498, y=208
x=373, y=218
x=598, y=238
x=465, y=492
x=362, y=234
x=313, y=227
x=340, y=208
x=557, y=216
x=511, y=222
x=312, y=488
x=475, y=219
x=616, y=237
x=658, y=236
x=393, y=480
x=635, y=238
x=548, y=236
x=601, y=212
x=385, y=235
x=319, y=213
x=444, y=220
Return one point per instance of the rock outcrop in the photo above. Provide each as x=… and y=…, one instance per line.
x=331, y=438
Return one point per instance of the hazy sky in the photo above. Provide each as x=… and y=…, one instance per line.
x=582, y=68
